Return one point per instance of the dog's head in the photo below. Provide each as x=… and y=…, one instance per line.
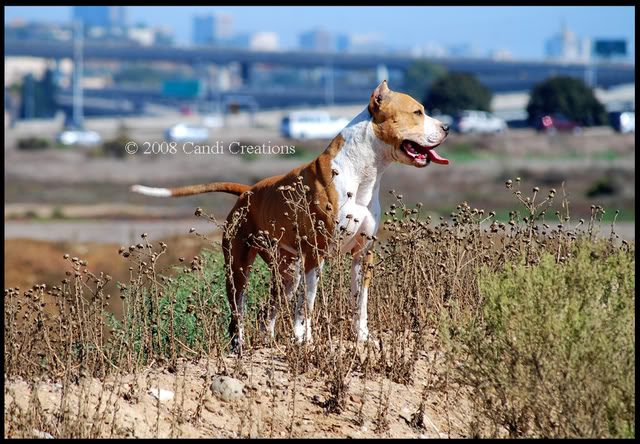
x=400, y=122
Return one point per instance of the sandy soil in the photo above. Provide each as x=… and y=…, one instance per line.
x=273, y=403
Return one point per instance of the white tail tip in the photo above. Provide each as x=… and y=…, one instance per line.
x=148, y=191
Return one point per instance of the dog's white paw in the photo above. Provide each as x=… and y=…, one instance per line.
x=302, y=332
x=363, y=336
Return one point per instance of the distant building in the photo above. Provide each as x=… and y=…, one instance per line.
x=102, y=22
x=103, y=16
x=342, y=42
x=360, y=43
x=467, y=50
x=501, y=54
x=163, y=35
x=203, y=30
x=264, y=41
x=430, y=49
x=566, y=47
x=16, y=67
x=92, y=15
x=318, y=40
x=212, y=29
x=20, y=30
x=241, y=40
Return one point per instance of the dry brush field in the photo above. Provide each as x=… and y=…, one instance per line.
x=500, y=305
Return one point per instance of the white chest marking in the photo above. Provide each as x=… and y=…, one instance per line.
x=360, y=164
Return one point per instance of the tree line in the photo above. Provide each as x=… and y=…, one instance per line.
x=451, y=92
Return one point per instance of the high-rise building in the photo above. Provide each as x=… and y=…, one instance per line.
x=264, y=41
x=366, y=43
x=317, y=40
x=566, y=47
x=467, y=50
x=107, y=17
x=343, y=42
x=211, y=29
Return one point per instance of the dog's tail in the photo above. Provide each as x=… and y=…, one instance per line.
x=224, y=187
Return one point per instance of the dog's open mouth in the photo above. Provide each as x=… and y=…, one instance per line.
x=422, y=155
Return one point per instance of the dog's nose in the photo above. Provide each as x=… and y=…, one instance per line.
x=444, y=127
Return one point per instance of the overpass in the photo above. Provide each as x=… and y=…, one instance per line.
x=125, y=100
x=497, y=75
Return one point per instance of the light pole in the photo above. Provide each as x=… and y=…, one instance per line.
x=329, y=88
x=78, y=118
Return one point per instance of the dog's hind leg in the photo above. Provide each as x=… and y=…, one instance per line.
x=302, y=323
x=238, y=256
x=288, y=268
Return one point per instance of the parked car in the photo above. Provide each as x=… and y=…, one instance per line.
x=623, y=122
x=557, y=122
x=470, y=121
x=311, y=125
x=78, y=136
x=181, y=132
x=213, y=120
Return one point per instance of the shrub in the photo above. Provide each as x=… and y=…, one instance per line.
x=420, y=75
x=553, y=352
x=189, y=311
x=33, y=143
x=116, y=146
x=569, y=96
x=458, y=91
x=603, y=187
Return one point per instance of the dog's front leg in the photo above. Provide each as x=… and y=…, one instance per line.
x=302, y=323
x=360, y=289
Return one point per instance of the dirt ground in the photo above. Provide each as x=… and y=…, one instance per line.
x=273, y=403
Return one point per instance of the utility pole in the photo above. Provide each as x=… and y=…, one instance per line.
x=78, y=119
x=329, y=89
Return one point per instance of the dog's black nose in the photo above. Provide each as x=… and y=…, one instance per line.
x=445, y=127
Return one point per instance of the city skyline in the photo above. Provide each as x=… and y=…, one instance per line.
x=516, y=30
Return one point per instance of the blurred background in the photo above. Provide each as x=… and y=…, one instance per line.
x=546, y=94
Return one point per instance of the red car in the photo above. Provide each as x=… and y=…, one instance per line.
x=557, y=122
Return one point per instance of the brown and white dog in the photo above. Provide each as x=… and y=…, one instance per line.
x=343, y=186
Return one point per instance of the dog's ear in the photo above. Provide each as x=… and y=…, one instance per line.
x=380, y=95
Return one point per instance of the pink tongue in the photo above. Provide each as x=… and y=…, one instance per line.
x=433, y=156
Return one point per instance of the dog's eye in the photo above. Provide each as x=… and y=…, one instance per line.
x=418, y=112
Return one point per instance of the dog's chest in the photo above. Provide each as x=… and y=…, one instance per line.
x=359, y=208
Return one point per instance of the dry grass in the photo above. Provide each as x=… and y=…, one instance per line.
x=432, y=288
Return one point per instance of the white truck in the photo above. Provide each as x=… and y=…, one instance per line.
x=311, y=125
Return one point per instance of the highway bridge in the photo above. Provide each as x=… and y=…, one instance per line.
x=132, y=100
x=497, y=75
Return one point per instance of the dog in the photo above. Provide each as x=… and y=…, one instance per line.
x=342, y=186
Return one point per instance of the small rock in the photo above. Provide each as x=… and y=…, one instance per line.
x=209, y=406
x=355, y=398
x=161, y=394
x=43, y=435
x=364, y=428
x=227, y=389
x=423, y=436
x=405, y=410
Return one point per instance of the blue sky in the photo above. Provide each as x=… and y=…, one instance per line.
x=520, y=29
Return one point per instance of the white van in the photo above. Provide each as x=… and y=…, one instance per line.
x=311, y=125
